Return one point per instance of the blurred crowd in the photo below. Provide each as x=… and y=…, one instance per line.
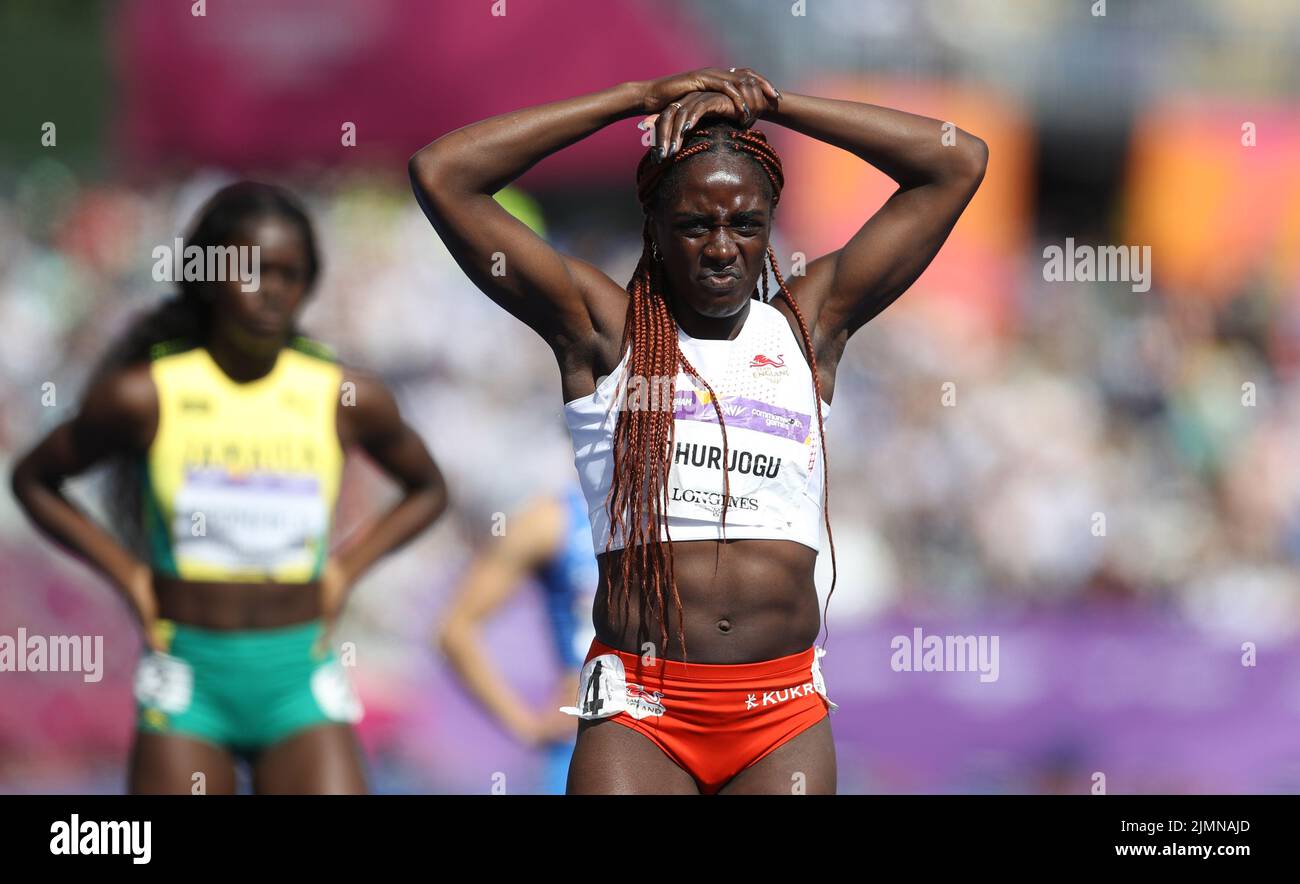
x=1076, y=64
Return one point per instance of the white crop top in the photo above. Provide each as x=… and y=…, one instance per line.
x=766, y=395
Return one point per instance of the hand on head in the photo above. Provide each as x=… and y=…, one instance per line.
x=678, y=103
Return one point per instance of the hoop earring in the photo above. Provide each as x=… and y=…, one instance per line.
x=654, y=249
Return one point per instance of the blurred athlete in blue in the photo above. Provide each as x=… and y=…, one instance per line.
x=550, y=541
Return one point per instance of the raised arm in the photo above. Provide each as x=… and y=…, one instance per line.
x=567, y=301
x=455, y=178
x=937, y=174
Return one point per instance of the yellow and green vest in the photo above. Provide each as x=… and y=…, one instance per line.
x=241, y=478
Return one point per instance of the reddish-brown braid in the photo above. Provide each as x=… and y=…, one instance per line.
x=643, y=436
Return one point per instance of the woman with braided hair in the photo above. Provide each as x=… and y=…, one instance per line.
x=696, y=400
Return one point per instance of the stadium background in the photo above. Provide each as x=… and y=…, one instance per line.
x=1119, y=654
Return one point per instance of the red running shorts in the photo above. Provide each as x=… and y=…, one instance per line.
x=712, y=720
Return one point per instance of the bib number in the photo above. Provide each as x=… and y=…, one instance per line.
x=605, y=691
x=164, y=682
x=334, y=694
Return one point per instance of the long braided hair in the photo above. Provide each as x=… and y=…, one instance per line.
x=644, y=436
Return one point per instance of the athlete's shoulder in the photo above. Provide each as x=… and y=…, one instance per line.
x=362, y=380
x=170, y=349
x=309, y=361
x=312, y=348
x=370, y=409
x=121, y=403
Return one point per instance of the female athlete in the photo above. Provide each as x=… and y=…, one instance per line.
x=696, y=407
x=228, y=430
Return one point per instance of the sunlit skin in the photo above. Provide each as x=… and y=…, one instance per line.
x=718, y=224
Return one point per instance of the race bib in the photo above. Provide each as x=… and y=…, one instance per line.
x=604, y=691
x=769, y=462
x=334, y=694
x=164, y=682
x=265, y=522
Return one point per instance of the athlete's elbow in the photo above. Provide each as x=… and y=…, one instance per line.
x=431, y=497
x=453, y=637
x=442, y=161
x=420, y=169
x=428, y=170
x=23, y=481
x=17, y=482
x=972, y=157
x=439, y=498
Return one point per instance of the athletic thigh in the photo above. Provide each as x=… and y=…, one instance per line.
x=805, y=765
x=612, y=759
x=167, y=764
x=322, y=760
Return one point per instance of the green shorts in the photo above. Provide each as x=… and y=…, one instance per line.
x=245, y=690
